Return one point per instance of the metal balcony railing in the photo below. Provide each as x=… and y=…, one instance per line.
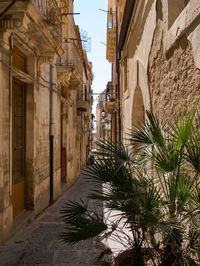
x=75, y=61
x=51, y=14
x=111, y=20
x=84, y=97
x=110, y=93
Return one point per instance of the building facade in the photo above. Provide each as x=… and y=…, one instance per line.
x=45, y=106
x=103, y=128
x=154, y=52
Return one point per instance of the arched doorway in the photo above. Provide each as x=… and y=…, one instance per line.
x=138, y=107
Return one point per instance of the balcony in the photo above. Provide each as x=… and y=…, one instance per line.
x=70, y=69
x=110, y=98
x=37, y=22
x=110, y=92
x=110, y=107
x=83, y=106
x=111, y=37
x=51, y=14
x=86, y=119
x=68, y=77
x=83, y=103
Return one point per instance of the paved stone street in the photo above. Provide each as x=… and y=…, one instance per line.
x=38, y=243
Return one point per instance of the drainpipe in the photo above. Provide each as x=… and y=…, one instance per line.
x=118, y=81
x=51, y=137
x=10, y=101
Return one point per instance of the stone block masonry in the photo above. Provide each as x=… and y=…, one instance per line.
x=174, y=80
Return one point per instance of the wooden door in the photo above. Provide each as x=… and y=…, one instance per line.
x=18, y=186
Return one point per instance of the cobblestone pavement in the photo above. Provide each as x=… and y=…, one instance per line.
x=38, y=243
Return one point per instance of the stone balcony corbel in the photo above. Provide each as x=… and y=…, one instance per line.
x=12, y=24
x=47, y=59
x=15, y=22
x=68, y=78
x=63, y=81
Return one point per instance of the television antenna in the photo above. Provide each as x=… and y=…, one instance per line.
x=86, y=40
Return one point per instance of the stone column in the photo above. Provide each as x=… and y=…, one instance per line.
x=6, y=216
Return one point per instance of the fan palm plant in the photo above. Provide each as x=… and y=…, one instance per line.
x=153, y=187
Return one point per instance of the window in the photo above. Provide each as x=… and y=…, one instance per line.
x=19, y=60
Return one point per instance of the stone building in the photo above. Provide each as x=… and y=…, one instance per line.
x=103, y=128
x=154, y=48
x=45, y=106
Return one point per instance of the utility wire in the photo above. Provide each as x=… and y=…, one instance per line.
x=7, y=8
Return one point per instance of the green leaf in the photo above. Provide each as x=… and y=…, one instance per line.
x=148, y=134
x=193, y=153
x=183, y=127
x=81, y=223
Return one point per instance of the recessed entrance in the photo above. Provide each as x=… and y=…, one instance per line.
x=19, y=115
x=138, y=107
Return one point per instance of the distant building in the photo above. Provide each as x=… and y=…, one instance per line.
x=103, y=119
x=45, y=106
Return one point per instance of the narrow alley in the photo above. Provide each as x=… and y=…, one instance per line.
x=38, y=243
x=111, y=87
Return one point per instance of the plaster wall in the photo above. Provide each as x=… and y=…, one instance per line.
x=136, y=51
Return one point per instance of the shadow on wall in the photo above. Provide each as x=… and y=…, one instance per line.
x=139, y=27
x=138, y=107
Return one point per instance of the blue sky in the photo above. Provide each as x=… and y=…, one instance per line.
x=94, y=22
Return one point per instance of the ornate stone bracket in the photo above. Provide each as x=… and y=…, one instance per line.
x=13, y=22
x=46, y=59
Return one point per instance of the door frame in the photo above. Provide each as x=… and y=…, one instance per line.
x=14, y=80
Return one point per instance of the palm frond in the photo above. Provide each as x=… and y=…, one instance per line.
x=81, y=223
x=115, y=150
x=148, y=134
x=183, y=127
x=71, y=211
x=101, y=171
x=194, y=239
x=110, y=171
x=167, y=159
x=193, y=153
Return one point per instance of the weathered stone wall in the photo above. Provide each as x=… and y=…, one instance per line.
x=174, y=80
x=72, y=151
x=42, y=133
x=57, y=145
x=42, y=144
